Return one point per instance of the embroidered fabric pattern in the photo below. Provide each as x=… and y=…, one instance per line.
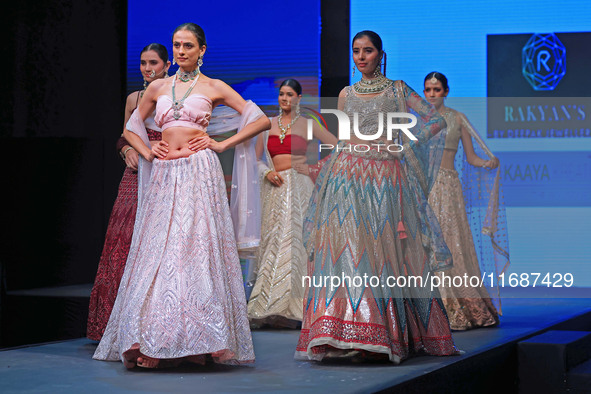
x=182, y=291
x=466, y=306
x=281, y=261
x=368, y=215
x=115, y=250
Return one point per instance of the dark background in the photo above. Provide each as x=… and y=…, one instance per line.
x=62, y=112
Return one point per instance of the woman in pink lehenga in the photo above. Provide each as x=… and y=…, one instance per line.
x=154, y=64
x=467, y=307
x=181, y=296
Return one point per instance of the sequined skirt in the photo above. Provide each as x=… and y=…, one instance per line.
x=467, y=306
x=181, y=293
x=278, y=294
x=366, y=225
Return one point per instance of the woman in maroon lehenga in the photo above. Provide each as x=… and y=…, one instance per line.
x=154, y=65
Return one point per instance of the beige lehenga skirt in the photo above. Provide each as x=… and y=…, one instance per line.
x=467, y=307
x=277, y=294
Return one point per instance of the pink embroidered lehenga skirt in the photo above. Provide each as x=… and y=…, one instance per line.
x=182, y=292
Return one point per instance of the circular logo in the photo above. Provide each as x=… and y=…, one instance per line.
x=543, y=61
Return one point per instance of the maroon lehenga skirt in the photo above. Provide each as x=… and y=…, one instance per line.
x=115, y=250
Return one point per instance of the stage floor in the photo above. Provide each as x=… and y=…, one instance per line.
x=68, y=367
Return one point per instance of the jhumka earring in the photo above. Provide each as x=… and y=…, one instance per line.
x=353, y=72
x=145, y=84
x=173, y=61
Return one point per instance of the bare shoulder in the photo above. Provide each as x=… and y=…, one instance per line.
x=157, y=88
x=132, y=98
x=217, y=84
x=274, y=123
x=160, y=83
x=216, y=89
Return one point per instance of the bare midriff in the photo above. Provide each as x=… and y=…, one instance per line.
x=178, y=141
x=286, y=161
x=447, y=159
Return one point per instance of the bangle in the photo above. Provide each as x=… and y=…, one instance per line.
x=123, y=153
x=266, y=173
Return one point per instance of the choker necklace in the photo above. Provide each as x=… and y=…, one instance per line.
x=185, y=76
x=178, y=105
x=283, y=129
x=375, y=85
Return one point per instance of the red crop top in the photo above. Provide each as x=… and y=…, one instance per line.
x=291, y=146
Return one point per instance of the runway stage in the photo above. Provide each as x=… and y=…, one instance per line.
x=488, y=364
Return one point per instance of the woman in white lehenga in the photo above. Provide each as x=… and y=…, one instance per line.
x=181, y=296
x=277, y=295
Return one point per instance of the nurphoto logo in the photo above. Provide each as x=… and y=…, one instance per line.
x=392, y=124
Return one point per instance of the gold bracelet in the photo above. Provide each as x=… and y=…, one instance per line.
x=125, y=152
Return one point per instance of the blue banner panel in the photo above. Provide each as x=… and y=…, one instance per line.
x=252, y=47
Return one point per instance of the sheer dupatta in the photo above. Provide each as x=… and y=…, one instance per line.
x=422, y=159
x=485, y=208
x=265, y=162
x=245, y=206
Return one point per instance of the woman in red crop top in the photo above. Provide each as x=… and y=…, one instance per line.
x=154, y=65
x=467, y=307
x=276, y=298
x=181, y=297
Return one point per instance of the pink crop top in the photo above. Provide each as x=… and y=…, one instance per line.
x=195, y=113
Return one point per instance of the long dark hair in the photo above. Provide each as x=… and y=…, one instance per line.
x=159, y=49
x=375, y=39
x=292, y=83
x=195, y=29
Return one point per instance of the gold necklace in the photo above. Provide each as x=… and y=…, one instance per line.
x=283, y=129
x=375, y=85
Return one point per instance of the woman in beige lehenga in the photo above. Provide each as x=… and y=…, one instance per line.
x=276, y=298
x=467, y=306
